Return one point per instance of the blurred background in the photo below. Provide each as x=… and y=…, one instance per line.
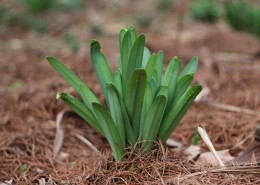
x=213, y=30
x=224, y=34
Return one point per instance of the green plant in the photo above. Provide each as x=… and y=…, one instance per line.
x=243, y=16
x=164, y=4
x=142, y=104
x=195, y=139
x=97, y=30
x=143, y=21
x=2, y=13
x=24, y=168
x=205, y=10
x=38, y=6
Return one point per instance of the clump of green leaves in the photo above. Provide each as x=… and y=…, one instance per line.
x=205, y=10
x=143, y=103
x=243, y=16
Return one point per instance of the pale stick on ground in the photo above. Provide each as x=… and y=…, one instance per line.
x=206, y=139
x=87, y=142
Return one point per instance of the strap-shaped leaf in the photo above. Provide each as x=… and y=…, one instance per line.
x=84, y=112
x=125, y=54
x=159, y=66
x=150, y=67
x=170, y=80
x=115, y=110
x=135, y=59
x=148, y=99
x=172, y=70
x=182, y=86
x=132, y=32
x=154, y=83
x=152, y=122
x=135, y=97
x=101, y=67
x=163, y=90
x=121, y=37
x=130, y=138
x=110, y=131
x=191, y=67
x=85, y=96
x=71, y=78
x=146, y=57
x=118, y=80
x=177, y=112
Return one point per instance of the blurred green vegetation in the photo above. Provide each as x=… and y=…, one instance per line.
x=35, y=14
x=164, y=4
x=72, y=41
x=143, y=20
x=38, y=6
x=2, y=13
x=244, y=16
x=205, y=10
x=97, y=30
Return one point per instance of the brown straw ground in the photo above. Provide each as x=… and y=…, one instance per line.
x=27, y=140
x=161, y=166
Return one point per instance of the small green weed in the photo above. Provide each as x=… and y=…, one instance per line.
x=204, y=10
x=243, y=16
x=24, y=168
x=38, y=6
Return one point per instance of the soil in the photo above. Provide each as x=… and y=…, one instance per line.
x=229, y=67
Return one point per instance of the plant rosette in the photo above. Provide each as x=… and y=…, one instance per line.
x=144, y=104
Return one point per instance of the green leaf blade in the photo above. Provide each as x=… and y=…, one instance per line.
x=134, y=99
x=71, y=78
x=170, y=79
x=152, y=122
x=146, y=57
x=182, y=85
x=101, y=66
x=177, y=112
x=159, y=66
x=130, y=138
x=118, y=81
x=85, y=113
x=135, y=58
x=110, y=131
x=191, y=67
x=115, y=109
x=150, y=67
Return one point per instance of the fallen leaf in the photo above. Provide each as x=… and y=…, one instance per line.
x=208, y=158
x=192, y=152
x=252, y=156
x=7, y=182
x=42, y=181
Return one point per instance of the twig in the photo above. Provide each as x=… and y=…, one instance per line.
x=87, y=142
x=203, y=98
x=59, y=136
x=231, y=108
x=206, y=139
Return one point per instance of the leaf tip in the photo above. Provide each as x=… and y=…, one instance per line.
x=95, y=44
x=50, y=58
x=58, y=96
